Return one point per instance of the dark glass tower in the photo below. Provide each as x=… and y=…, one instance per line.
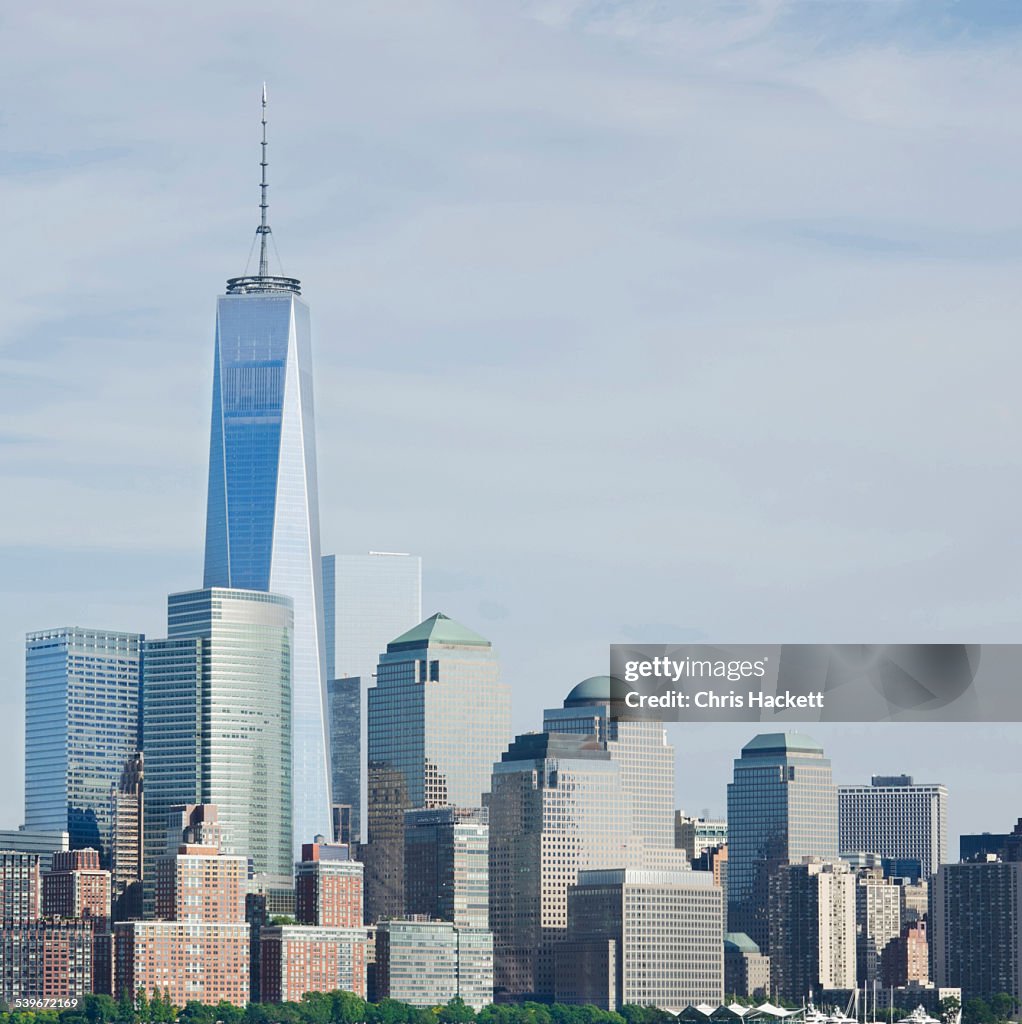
x=781, y=808
x=262, y=512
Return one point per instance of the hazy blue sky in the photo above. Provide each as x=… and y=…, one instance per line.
x=638, y=321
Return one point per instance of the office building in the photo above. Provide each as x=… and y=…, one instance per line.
x=896, y=818
x=781, y=808
x=127, y=844
x=297, y=959
x=812, y=928
x=429, y=963
x=650, y=938
x=44, y=844
x=216, y=724
x=45, y=960
x=199, y=948
x=262, y=512
x=746, y=969
x=77, y=887
x=877, y=921
x=695, y=835
x=20, y=888
x=368, y=600
x=82, y=690
x=328, y=887
x=639, y=747
x=344, y=698
x=557, y=806
x=974, y=924
x=447, y=871
x=439, y=716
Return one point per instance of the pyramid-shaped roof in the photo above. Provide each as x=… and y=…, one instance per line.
x=438, y=629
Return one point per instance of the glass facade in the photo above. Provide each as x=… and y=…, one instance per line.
x=262, y=520
x=217, y=720
x=82, y=692
x=344, y=717
x=368, y=600
x=557, y=806
x=439, y=716
x=781, y=808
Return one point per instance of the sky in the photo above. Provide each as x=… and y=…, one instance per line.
x=640, y=321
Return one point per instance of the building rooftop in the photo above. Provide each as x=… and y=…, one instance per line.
x=597, y=689
x=740, y=941
x=782, y=743
x=438, y=629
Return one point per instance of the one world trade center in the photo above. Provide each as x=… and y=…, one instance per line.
x=262, y=512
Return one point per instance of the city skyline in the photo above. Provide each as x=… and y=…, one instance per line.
x=92, y=329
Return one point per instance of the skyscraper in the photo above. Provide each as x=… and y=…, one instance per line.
x=897, y=818
x=557, y=806
x=262, y=513
x=216, y=724
x=781, y=808
x=974, y=926
x=81, y=722
x=639, y=747
x=812, y=928
x=439, y=716
x=447, y=871
x=368, y=600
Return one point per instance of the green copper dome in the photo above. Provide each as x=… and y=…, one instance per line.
x=438, y=629
x=597, y=689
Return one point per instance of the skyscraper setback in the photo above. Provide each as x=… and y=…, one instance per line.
x=262, y=513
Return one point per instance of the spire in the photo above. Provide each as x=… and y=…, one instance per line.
x=264, y=281
x=264, y=228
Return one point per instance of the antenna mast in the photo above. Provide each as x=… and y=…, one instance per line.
x=264, y=228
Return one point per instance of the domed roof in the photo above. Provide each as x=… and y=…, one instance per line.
x=597, y=690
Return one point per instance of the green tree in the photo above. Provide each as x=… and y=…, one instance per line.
x=456, y=1012
x=228, y=1013
x=1003, y=1006
x=195, y=1012
x=949, y=1008
x=347, y=1008
x=125, y=1012
x=98, y=1009
x=142, y=1007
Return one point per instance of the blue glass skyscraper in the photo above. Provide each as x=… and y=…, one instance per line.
x=262, y=513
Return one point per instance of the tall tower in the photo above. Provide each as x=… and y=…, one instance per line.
x=781, y=808
x=439, y=716
x=262, y=512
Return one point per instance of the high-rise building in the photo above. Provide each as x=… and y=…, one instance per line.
x=20, y=888
x=651, y=938
x=216, y=724
x=199, y=949
x=557, y=806
x=46, y=960
x=439, y=716
x=45, y=844
x=812, y=928
x=328, y=887
x=295, y=959
x=906, y=959
x=447, y=871
x=76, y=886
x=429, y=963
x=781, y=808
x=370, y=599
x=694, y=835
x=344, y=699
x=896, y=818
x=878, y=921
x=974, y=925
x=639, y=747
x=82, y=716
x=127, y=844
x=262, y=513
